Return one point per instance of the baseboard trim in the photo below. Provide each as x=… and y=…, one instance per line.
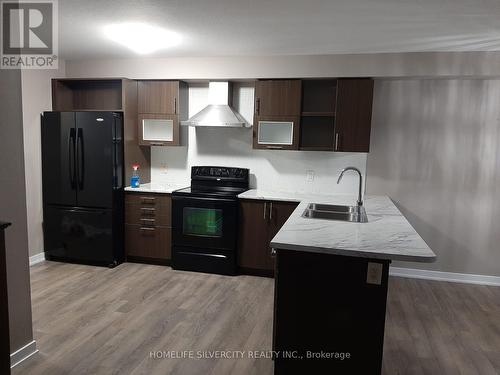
x=38, y=258
x=445, y=276
x=23, y=354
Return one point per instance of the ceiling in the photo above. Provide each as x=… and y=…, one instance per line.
x=285, y=27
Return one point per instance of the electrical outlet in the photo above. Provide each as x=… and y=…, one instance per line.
x=164, y=169
x=374, y=273
x=310, y=175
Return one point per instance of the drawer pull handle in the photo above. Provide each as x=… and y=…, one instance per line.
x=147, y=228
x=150, y=220
x=148, y=209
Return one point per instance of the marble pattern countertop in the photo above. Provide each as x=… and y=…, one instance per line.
x=387, y=235
x=155, y=188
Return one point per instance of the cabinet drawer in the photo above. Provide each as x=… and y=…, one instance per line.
x=148, y=209
x=148, y=242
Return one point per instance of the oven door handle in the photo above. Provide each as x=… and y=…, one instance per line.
x=199, y=199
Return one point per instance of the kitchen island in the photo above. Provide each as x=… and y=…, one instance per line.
x=331, y=283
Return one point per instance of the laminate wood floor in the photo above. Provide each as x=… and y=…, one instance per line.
x=92, y=320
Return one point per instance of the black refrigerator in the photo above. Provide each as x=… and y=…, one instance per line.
x=82, y=171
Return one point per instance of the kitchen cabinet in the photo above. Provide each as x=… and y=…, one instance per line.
x=313, y=114
x=336, y=115
x=161, y=107
x=353, y=115
x=148, y=227
x=259, y=223
x=277, y=114
x=278, y=97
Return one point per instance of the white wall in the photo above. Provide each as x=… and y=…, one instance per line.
x=425, y=64
x=435, y=150
x=36, y=92
x=270, y=169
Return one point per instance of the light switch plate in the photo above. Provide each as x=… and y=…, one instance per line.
x=374, y=273
x=310, y=175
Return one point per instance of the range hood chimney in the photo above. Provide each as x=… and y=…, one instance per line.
x=218, y=112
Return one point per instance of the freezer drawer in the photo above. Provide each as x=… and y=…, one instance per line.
x=82, y=235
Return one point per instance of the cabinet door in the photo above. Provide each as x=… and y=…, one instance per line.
x=354, y=114
x=254, y=236
x=276, y=132
x=278, y=97
x=160, y=97
x=279, y=212
x=148, y=242
x=158, y=130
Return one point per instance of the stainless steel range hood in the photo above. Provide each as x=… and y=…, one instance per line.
x=218, y=112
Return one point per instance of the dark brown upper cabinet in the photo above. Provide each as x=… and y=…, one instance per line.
x=353, y=115
x=336, y=115
x=278, y=97
x=160, y=97
x=161, y=107
x=277, y=114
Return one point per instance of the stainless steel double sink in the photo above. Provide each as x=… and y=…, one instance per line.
x=355, y=214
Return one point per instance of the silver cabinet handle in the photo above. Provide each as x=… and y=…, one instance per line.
x=271, y=211
x=148, y=220
x=273, y=252
x=265, y=209
x=148, y=209
x=275, y=147
x=336, y=141
x=147, y=228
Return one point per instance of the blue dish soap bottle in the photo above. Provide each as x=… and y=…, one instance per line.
x=135, y=181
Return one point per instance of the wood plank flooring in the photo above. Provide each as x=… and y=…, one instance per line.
x=92, y=320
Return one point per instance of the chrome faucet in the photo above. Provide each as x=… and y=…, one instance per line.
x=360, y=200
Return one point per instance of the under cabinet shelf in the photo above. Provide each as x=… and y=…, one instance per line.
x=316, y=148
x=318, y=114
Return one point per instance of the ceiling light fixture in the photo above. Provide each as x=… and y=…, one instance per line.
x=141, y=38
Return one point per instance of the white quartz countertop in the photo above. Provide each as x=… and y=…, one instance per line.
x=387, y=235
x=155, y=188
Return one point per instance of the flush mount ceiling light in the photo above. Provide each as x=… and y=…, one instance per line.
x=141, y=38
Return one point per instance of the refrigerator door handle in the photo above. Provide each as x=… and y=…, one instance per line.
x=71, y=158
x=115, y=155
x=79, y=158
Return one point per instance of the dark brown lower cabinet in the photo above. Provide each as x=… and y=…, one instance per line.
x=4, y=307
x=148, y=232
x=148, y=242
x=259, y=223
x=329, y=313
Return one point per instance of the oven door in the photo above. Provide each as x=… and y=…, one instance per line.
x=205, y=223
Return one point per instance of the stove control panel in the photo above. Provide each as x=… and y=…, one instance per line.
x=206, y=172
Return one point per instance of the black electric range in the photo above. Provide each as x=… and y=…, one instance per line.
x=205, y=220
